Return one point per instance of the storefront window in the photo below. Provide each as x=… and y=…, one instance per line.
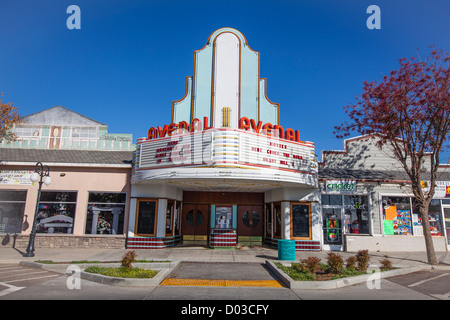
x=169, y=217
x=344, y=214
x=277, y=220
x=105, y=213
x=434, y=216
x=331, y=200
x=397, y=215
x=12, y=206
x=268, y=220
x=56, y=212
x=177, y=220
x=146, y=217
x=356, y=214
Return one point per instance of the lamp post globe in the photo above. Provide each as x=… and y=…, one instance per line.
x=42, y=174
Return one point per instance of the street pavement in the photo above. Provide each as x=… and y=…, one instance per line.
x=245, y=263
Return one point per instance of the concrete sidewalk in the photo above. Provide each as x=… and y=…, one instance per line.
x=243, y=254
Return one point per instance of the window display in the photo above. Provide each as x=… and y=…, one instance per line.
x=397, y=215
x=356, y=214
x=332, y=230
x=106, y=213
x=434, y=217
x=344, y=214
x=224, y=216
x=12, y=206
x=56, y=212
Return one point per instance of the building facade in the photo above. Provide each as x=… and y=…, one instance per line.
x=223, y=172
x=87, y=203
x=367, y=201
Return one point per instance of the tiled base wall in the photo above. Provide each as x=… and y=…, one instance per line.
x=63, y=241
x=223, y=239
x=152, y=242
x=300, y=245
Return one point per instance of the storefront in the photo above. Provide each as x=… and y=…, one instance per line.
x=87, y=202
x=367, y=202
x=224, y=172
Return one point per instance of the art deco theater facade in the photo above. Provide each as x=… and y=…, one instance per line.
x=224, y=171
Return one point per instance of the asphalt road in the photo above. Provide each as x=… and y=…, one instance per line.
x=27, y=283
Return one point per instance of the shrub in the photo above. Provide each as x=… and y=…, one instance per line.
x=128, y=259
x=122, y=272
x=335, y=263
x=311, y=264
x=386, y=264
x=363, y=260
x=351, y=263
x=300, y=267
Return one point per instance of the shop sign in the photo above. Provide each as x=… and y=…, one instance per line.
x=15, y=177
x=245, y=124
x=340, y=186
x=442, y=189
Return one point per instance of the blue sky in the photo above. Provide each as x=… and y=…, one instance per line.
x=129, y=60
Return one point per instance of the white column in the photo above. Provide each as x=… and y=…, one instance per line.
x=115, y=225
x=95, y=213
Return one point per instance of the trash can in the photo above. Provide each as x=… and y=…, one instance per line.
x=286, y=249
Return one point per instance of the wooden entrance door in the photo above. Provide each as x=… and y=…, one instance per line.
x=250, y=221
x=195, y=222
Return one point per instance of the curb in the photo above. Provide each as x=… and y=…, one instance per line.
x=163, y=268
x=334, y=284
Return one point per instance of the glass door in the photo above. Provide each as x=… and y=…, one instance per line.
x=332, y=228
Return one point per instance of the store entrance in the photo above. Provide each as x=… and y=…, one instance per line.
x=332, y=228
x=195, y=221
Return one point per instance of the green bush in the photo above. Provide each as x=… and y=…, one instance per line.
x=122, y=272
x=296, y=271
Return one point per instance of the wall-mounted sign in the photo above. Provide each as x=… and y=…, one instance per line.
x=442, y=189
x=340, y=186
x=20, y=177
x=245, y=124
x=224, y=217
x=228, y=147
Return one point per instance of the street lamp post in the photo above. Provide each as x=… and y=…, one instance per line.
x=41, y=173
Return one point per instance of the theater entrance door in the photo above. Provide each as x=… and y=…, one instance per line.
x=250, y=224
x=195, y=222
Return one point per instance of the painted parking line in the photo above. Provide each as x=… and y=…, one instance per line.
x=27, y=272
x=221, y=283
x=426, y=280
x=33, y=278
x=10, y=289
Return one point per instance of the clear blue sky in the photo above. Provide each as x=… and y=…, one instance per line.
x=130, y=59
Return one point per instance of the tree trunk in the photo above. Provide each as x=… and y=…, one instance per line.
x=431, y=255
